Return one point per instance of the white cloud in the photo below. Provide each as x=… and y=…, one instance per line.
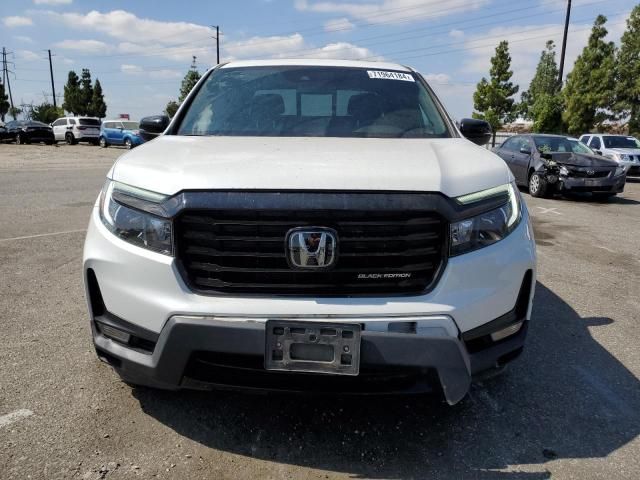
x=87, y=46
x=338, y=25
x=28, y=55
x=391, y=11
x=131, y=69
x=121, y=24
x=17, y=21
x=53, y=2
x=264, y=46
x=457, y=34
x=166, y=73
x=340, y=51
x=526, y=42
x=438, y=78
x=23, y=38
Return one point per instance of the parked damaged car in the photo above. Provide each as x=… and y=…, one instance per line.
x=549, y=164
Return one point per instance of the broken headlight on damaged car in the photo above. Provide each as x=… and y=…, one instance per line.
x=124, y=211
x=488, y=227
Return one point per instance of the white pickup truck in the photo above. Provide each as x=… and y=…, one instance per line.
x=310, y=225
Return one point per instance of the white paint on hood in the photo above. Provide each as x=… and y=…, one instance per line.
x=169, y=164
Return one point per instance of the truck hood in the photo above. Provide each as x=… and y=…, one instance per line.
x=626, y=151
x=169, y=164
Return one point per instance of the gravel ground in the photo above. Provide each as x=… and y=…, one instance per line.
x=569, y=408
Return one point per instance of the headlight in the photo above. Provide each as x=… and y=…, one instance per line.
x=489, y=227
x=620, y=170
x=131, y=224
x=623, y=157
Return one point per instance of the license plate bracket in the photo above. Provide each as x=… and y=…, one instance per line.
x=312, y=347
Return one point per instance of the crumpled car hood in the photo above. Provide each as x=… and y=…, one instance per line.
x=582, y=160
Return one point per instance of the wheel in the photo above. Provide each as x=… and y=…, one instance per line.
x=70, y=139
x=128, y=144
x=537, y=185
x=103, y=142
x=19, y=140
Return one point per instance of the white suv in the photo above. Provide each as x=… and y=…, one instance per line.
x=624, y=149
x=310, y=225
x=76, y=129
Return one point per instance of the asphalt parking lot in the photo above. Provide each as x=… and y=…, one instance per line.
x=569, y=408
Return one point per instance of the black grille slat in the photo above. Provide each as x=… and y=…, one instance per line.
x=244, y=251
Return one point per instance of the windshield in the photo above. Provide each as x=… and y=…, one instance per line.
x=130, y=125
x=313, y=101
x=561, y=145
x=620, y=142
x=89, y=121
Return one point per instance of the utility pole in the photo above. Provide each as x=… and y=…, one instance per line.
x=5, y=77
x=564, y=43
x=217, y=37
x=53, y=88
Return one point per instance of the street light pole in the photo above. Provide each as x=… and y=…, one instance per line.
x=564, y=42
x=53, y=88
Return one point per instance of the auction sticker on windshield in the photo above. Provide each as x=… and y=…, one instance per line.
x=405, y=77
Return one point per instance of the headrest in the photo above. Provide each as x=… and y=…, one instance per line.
x=365, y=106
x=268, y=102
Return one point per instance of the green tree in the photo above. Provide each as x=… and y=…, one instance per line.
x=98, y=107
x=189, y=81
x=72, y=98
x=542, y=103
x=46, y=112
x=14, y=112
x=171, y=108
x=4, y=102
x=86, y=92
x=493, y=98
x=588, y=93
x=627, y=105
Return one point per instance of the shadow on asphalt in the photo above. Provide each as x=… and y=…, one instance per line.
x=566, y=397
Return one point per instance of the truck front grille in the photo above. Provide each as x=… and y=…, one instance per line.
x=244, y=251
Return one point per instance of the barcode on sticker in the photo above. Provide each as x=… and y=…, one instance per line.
x=405, y=77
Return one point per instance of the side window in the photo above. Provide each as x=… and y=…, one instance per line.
x=59, y=122
x=510, y=145
x=72, y=121
x=595, y=143
x=585, y=139
x=522, y=143
x=117, y=125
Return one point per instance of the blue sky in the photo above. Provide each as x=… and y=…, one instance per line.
x=140, y=49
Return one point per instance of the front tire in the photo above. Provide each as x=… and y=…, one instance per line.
x=103, y=142
x=537, y=185
x=19, y=140
x=70, y=139
x=128, y=145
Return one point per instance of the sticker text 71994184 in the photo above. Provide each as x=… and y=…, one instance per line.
x=385, y=75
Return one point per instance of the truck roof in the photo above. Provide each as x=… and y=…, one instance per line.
x=317, y=62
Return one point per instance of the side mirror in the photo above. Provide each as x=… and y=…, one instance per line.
x=478, y=131
x=525, y=150
x=598, y=152
x=151, y=127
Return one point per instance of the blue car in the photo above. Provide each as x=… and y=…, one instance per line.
x=120, y=132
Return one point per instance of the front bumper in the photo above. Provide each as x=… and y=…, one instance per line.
x=208, y=352
x=185, y=340
x=612, y=185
